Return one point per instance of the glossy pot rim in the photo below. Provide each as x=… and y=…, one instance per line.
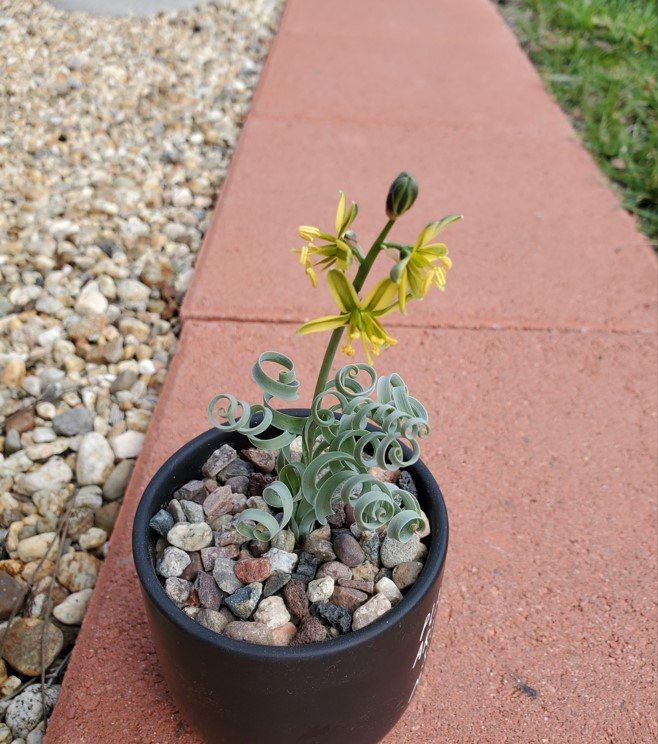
x=159, y=489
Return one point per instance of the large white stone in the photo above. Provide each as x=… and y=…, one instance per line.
x=95, y=460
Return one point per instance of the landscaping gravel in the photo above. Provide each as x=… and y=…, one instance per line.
x=275, y=592
x=115, y=137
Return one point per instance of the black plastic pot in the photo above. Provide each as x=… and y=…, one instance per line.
x=351, y=689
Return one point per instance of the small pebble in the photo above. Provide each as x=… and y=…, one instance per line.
x=350, y=599
x=176, y=511
x=365, y=572
x=337, y=617
x=253, y=570
x=405, y=574
x=311, y=630
x=243, y=602
x=277, y=580
x=281, y=560
x=284, y=540
x=320, y=547
x=335, y=569
x=272, y=612
x=219, y=502
x=307, y=566
x=210, y=595
x=393, y=552
x=283, y=635
x=194, y=490
x=389, y=589
x=369, y=542
x=320, y=590
x=337, y=516
x=219, y=459
x=348, y=550
x=406, y=483
x=373, y=609
x=224, y=575
x=249, y=631
x=178, y=590
x=193, y=511
x=212, y=620
x=294, y=593
x=72, y=610
x=264, y=460
x=190, y=537
x=191, y=571
x=363, y=585
x=172, y=562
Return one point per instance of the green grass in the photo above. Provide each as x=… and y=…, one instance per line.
x=600, y=60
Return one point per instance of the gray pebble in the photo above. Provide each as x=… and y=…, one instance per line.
x=276, y=581
x=394, y=552
x=162, y=522
x=178, y=590
x=115, y=485
x=244, y=601
x=213, y=620
x=193, y=511
x=224, y=575
x=73, y=422
x=173, y=562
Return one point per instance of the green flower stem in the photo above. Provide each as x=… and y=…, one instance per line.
x=365, y=267
x=359, y=280
x=328, y=360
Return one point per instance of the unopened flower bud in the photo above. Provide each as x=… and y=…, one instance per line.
x=401, y=195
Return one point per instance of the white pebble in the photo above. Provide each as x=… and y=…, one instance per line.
x=272, y=612
x=190, y=537
x=72, y=610
x=388, y=588
x=319, y=590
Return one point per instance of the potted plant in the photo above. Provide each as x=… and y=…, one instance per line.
x=291, y=559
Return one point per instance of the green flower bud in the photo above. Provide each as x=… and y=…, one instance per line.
x=401, y=195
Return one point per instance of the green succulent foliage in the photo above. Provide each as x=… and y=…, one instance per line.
x=337, y=449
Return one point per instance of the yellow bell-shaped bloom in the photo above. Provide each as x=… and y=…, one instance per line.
x=335, y=250
x=424, y=264
x=360, y=317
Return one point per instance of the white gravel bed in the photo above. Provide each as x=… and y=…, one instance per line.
x=115, y=137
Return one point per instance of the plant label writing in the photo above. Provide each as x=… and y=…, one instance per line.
x=425, y=638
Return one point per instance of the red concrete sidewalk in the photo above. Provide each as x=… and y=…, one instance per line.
x=538, y=366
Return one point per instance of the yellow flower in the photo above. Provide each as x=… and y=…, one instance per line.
x=336, y=250
x=423, y=264
x=359, y=316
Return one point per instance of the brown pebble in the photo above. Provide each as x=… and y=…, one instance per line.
x=350, y=599
x=294, y=593
x=366, y=571
x=263, y=459
x=348, y=550
x=210, y=595
x=283, y=635
x=218, y=503
x=21, y=421
x=12, y=594
x=335, y=569
x=363, y=585
x=310, y=631
x=405, y=574
x=244, y=630
x=337, y=516
x=193, y=567
x=107, y=515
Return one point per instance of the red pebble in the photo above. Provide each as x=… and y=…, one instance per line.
x=250, y=570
